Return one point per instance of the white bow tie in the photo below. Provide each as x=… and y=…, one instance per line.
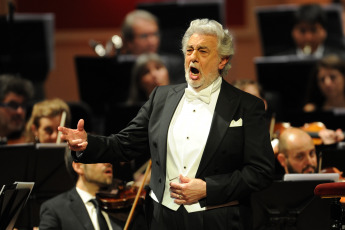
x=204, y=95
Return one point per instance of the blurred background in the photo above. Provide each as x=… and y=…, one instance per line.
x=78, y=21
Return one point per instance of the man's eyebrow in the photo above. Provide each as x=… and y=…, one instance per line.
x=198, y=47
x=203, y=47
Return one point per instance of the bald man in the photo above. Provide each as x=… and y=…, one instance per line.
x=297, y=152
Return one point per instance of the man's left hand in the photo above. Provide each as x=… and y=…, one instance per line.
x=188, y=191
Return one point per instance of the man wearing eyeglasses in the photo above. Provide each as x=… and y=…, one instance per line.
x=140, y=32
x=15, y=92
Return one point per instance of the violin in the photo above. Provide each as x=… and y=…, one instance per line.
x=312, y=129
x=123, y=199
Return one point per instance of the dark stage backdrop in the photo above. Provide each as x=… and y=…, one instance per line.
x=107, y=13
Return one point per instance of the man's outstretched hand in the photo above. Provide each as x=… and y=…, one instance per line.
x=76, y=138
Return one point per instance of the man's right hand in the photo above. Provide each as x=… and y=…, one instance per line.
x=76, y=138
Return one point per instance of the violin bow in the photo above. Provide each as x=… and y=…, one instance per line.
x=62, y=123
x=272, y=123
x=148, y=167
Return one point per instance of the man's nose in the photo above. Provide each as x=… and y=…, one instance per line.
x=152, y=39
x=309, y=160
x=327, y=81
x=20, y=109
x=308, y=36
x=194, y=56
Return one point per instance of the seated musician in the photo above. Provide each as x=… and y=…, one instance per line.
x=44, y=120
x=75, y=209
x=296, y=151
x=15, y=93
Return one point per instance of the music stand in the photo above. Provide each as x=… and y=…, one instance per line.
x=276, y=22
x=12, y=200
x=119, y=116
x=331, y=119
x=103, y=80
x=290, y=205
x=333, y=158
x=287, y=77
x=43, y=164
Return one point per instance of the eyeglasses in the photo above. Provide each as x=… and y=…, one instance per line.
x=12, y=105
x=147, y=35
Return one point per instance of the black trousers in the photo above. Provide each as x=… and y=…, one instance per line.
x=160, y=217
x=175, y=220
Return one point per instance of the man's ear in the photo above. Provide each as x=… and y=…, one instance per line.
x=223, y=62
x=78, y=168
x=283, y=161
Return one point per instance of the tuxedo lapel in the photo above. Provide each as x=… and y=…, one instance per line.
x=79, y=209
x=171, y=103
x=224, y=112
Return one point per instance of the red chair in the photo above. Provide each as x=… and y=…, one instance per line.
x=333, y=191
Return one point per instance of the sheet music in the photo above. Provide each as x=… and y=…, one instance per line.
x=312, y=176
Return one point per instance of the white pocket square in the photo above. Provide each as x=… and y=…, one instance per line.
x=236, y=123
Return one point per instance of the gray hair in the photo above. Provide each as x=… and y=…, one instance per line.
x=212, y=27
x=127, y=25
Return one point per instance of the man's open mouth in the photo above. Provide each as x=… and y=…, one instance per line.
x=194, y=70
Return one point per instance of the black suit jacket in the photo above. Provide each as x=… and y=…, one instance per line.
x=236, y=160
x=67, y=212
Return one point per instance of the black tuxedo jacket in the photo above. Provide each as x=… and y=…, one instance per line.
x=237, y=160
x=67, y=212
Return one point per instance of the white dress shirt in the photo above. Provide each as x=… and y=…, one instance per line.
x=317, y=54
x=187, y=136
x=86, y=197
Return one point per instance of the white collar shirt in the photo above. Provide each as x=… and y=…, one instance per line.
x=187, y=137
x=317, y=54
x=86, y=197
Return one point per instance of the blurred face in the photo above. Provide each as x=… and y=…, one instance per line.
x=305, y=34
x=331, y=83
x=146, y=37
x=252, y=89
x=47, y=131
x=301, y=156
x=202, y=61
x=12, y=114
x=100, y=174
x=155, y=74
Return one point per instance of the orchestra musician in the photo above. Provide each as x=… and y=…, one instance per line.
x=309, y=33
x=327, y=85
x=75, y=209
x=296, y=151
x=208, y=141
x=45, y=119
x=15, y=93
